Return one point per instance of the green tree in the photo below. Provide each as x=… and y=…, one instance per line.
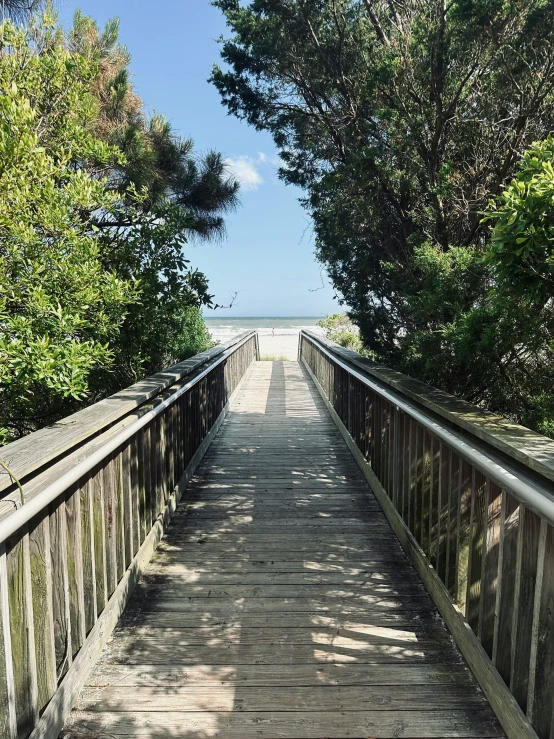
x=98, y=205
x=59, y=306
x=521, y=251
x=400, y=120
x=168, y=196
x=19, y=9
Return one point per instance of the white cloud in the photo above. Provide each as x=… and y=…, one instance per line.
x=245, y=170
x=270, y=161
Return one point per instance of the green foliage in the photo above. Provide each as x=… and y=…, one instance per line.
x=401, y=121
x=191, y=335
x=167, y=195
x=97, y=205
x=340, y=329
x=522, y=248
x=20, y=9
x=59, y=306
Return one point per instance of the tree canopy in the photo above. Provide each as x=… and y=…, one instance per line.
x=97, y=204
x=401, y=121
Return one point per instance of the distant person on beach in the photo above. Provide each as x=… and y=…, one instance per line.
x=273, y=332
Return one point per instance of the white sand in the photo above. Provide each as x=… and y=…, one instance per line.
x=280, y=346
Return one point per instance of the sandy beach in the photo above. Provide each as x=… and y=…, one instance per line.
x=280, y=346
x=278, y=337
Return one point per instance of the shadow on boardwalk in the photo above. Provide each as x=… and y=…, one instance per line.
x=280, y=604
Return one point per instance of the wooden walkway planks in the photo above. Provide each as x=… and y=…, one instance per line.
x=280, y=604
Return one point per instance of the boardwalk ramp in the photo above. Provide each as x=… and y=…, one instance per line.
x=279, y=602
x=316, y=549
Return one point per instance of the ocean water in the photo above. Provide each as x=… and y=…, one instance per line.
x=223, y=328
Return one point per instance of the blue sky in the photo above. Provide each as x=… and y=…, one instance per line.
x=267, y=256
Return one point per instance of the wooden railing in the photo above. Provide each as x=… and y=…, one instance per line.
x=471, y=498
x=98, y=489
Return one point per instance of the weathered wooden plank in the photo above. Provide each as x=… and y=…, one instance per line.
x=425, y=499
x=60, y=587
x=302, y=725
x=505, y=602
x=43, y=618
x=160, y=495
x=492, y=572
x=412, y=623
x=205, y=561
x=443, y=523
x=119, y=501
x=109, y=487
x=99, y=539
x=526, y=575
x=20, y=608
x=464, y=535
x=8, y=721
x=163, y=587
x=311, y=698
x=141, y=467
x=368, y=638
x=480, y=492
x=151, y=651
x=153, y=464
x=127, y=507
x=147, y=504
x=541, y=682
x=366, y=581
x=354, y=542
x=339, y=674
x=134, y=454
x=75, y=570
x=434, y=501
x=88, y=556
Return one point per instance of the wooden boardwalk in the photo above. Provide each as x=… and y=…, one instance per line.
x=280, y=604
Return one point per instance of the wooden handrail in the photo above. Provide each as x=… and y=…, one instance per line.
x=32, y=452
x=484, y=550
x=533, y=450
x=95, y=508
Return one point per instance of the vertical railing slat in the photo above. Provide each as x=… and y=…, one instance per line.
x=60, y=588
x=75, y=570
x=509, y=535
x=135, y=496
x=127, y=492
x=526, y=573
x=22, y=631
x=443, y=505
x=8, y=722
x=492, y=573
x=99, y=539
x=541, y=683
x=119, y=492
x=43, y=615
x=89, y=561
x=477, y=542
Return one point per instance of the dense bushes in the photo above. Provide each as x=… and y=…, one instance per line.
x=97, y=203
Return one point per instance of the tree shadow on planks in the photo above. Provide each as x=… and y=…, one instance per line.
x=279, y=604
